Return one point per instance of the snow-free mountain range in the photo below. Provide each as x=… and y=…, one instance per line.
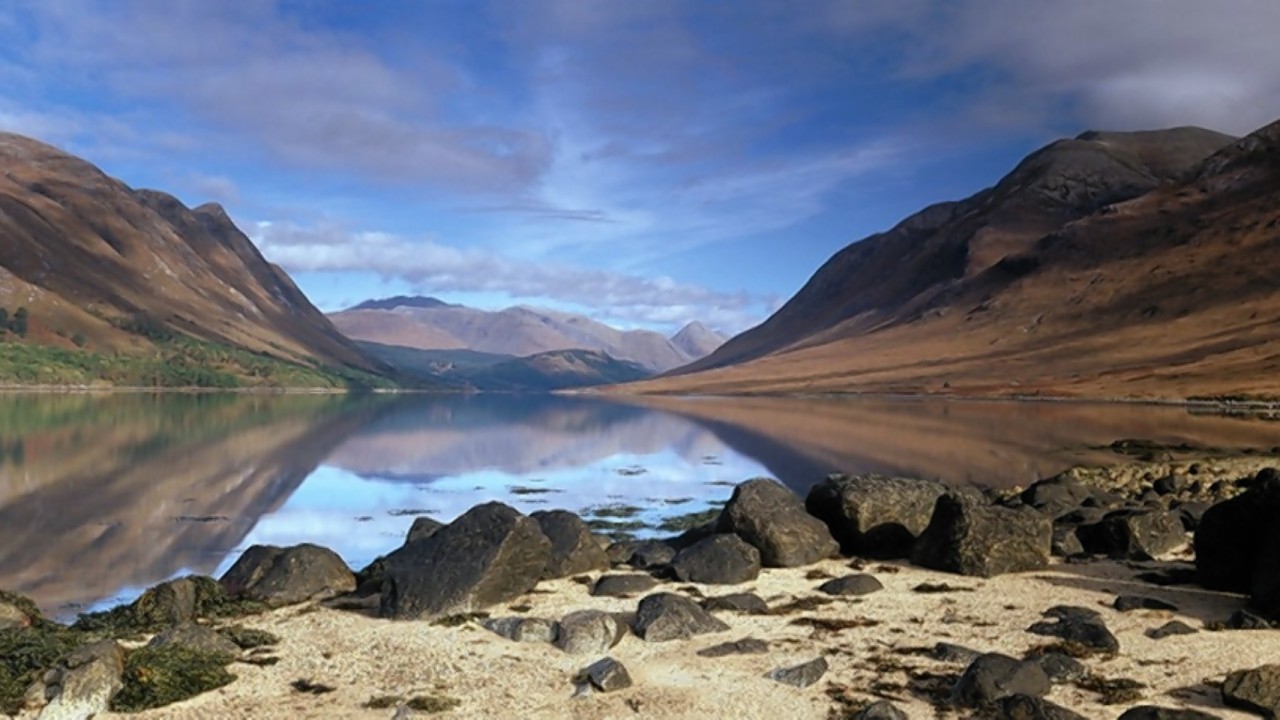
x=1109, y=265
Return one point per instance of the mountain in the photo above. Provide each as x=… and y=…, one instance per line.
x=113, y=270
x=697, y=340
x=1131, y=265
x=428, y=324
x=542, y=372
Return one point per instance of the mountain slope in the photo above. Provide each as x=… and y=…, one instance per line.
x=697, y=340
x=1112, y=265
x=428, y=324
x=117, y=268
x=542, y=372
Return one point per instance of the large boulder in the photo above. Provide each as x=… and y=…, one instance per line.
x=589, y=632
x=773, y=519
x=1231, y=535
x=490, y=554
x=1134, y=534
x=84, y=682
x=667, y=616
x=718, y=560
x=874, y=515
x=1256, y=690
x=285, y=576
x=574, y=550
x=992, y=677
x=970, y=537
x=1056, y=496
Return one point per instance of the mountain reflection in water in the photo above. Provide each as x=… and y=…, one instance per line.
x=102, y=495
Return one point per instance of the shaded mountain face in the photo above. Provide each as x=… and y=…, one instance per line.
x=428, y=324
x=541, y=372
x=94, y=259
x=1110, y=265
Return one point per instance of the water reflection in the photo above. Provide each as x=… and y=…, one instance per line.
x=101, y=495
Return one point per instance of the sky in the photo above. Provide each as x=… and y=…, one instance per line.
x=645, y=163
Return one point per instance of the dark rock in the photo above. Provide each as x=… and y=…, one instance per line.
x=523, y=629
x=969, y=538
x=880, y=710
x=1061, y=668
x=1125, y=603
x=176, y=601
x=738, y=602
x=874, y=515
x=1065, y=543
x=574, y=549
x=83, y=683
x=588, y=632
x=993, y=676
x=952, y=653
x=1082, y=516
x=1245, y=620
x=860, y=584
x=1134, y=534
x=1105, y=499
x=619, y=553
x=1079, y=628
x=1256, y=690
x=1026, y=707
x=1171, y=484
x=1173, y=627
x=667, y=616
x=1231, y=538
x=1055, y=496
x=1072, y=612
x=423, y=527
x=200, y=638
x=1169, y=576
x=286, y=576
x=651, y=554
x=623, y=585
x=607, y=675
x=1153, y=712
x=1191, y=512
x=369, y=578
x=490, y=554
x=718, y=560
x=802, y=675
x=772, y=518
x=745, y=646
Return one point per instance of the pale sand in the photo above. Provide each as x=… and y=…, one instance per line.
x=497, y=678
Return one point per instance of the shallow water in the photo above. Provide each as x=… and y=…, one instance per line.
x=104, y=495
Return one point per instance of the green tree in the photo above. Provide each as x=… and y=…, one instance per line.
x=19, y=323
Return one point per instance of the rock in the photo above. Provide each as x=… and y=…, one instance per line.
x=772, y=519
x=651, y=554
x=619, y=553
x=802, y=675
x=588, y=632
x=1125, y=603
x=874, y=515
x=1230, y=538
x=199, y=638
x=1153, y=712
x=993, y=676
x=17, y=611
x=667, y=616
x=574, y=549
x=970, y=538
x=1055, y=496
x=1134, y=534
x=1061, y=668
x=423, y=527
x=175, y=602
x=1078, y=625
x=1256, y=690
x=1082, y=516
x=1245, y=620
x=1065, y=542
x=607, y=675
x=952, y=653
x=84, y=682
x=1171, y=484
x=718, y=560
x=738, y=602
x=880, y=710
x=623, y=585
x=860, y=584
x=745, y=646
x=1190, y=513
x=523, y=629
x=1173, y=627
x=286, y=576
x=490, y=554
x=1026, y=707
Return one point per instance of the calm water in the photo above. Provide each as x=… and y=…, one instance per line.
x=104, y=495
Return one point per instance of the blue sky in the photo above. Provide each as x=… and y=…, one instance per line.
x=646, y=162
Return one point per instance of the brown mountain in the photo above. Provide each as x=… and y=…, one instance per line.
x=114, y=267
x=1109, y=265
x=429, y=324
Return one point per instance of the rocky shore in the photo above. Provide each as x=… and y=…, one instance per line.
x=1143, y=591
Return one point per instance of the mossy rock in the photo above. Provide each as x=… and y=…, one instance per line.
x=25, y=654
x=26, y=606
x=158, y=676
x=166, y=605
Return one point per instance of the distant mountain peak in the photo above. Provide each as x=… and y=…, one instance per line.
x=391, y=303
x=697, y=340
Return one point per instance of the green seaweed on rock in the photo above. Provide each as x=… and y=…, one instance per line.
x=158, y=676
x=25, y=653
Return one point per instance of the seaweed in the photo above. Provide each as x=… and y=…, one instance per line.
x=158, y=676
x=432, y=703
x=25, y=653
x=248, y=638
